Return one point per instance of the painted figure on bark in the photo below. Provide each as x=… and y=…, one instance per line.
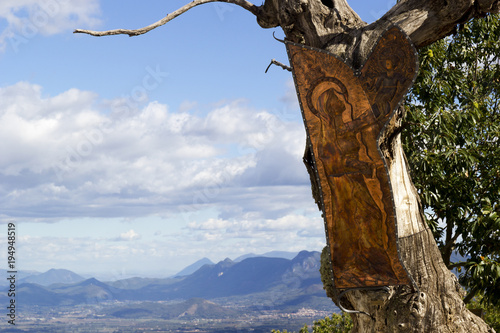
x=345, y=113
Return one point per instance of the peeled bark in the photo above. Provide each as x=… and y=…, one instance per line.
x=437, y=306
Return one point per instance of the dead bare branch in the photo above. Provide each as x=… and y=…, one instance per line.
x=136, y=32
x=277, y=63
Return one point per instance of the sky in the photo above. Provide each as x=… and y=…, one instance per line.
x=138, y=156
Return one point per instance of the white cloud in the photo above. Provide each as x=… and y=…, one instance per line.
x=220, y=238
x=69, y=157
x=65, y=156
x=27, y=19
x=130, y=235
x=210, y=224
x=33, y=128
x=253, y=226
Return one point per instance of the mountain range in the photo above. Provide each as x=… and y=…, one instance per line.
x=54, y=276
x=296, y=280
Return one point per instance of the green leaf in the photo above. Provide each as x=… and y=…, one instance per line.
x=453, y=146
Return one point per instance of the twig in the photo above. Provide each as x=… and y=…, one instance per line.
x=457, y=264
x=242, y=3
x=277, y=63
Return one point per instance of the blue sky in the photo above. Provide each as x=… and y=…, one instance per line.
x=137, y=156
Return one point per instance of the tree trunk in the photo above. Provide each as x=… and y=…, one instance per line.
x=438, y=306
x=333, y=26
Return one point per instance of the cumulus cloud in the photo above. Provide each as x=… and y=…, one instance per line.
x=128, y=236
x=252, y=226
x=68, y=156
x=220, y=237
x=25, y=19
x=119, y=257
x=231, y=180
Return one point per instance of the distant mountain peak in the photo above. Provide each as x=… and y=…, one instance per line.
x=93, y=282
x=194, y=267
x=302, y=255
x=221, y=265
x=54, y=276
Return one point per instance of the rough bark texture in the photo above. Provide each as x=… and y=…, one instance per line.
x=335, y=27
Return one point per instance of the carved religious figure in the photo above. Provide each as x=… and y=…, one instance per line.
x=345, y=113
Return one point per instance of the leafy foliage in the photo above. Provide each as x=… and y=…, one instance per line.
x=452, y=143
x=491, y=313
x=334, y=324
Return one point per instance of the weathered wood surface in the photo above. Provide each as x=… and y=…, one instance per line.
x=345, y=113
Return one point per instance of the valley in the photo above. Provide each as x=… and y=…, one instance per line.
x=256, y=294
